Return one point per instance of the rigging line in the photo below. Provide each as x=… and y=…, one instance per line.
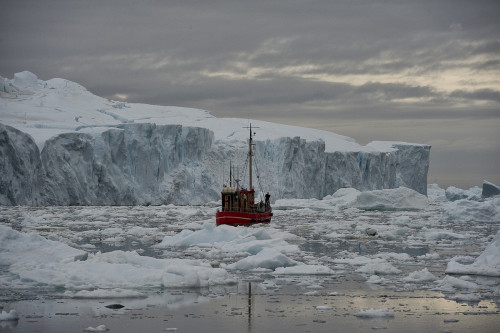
x=258, y=179
x=258, y=175
x=245, y=169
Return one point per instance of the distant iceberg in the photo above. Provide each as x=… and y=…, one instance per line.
x=62, y=145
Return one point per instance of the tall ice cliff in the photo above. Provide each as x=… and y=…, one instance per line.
x=62, y=145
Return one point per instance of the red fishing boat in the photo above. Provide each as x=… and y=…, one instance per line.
x=238, y=204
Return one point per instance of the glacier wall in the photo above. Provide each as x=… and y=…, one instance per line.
x=302, y=169
x=144, y=163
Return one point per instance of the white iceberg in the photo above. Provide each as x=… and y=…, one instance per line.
x=468, y=210
x=435, y=193
x=488, y=263
x=401, y=198
x=454, y=193
x=65, y=146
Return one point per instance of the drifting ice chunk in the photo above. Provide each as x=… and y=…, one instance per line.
x=267, y=258
x=378, y=266
x=374, y=313
x=100, y=328
x=438, y=234
x=451, y=283
x=468, y=210
x=488, y=263
x=435, y=193
x=454, y=193
x=490, y=190
x=230, y=239
x=25, y=80
x=105, y=293
x=393, y=199
x=401, y=198
x=375, y=279
x=12, y=315
x=420, y=276
x=17, y=247
x=303, y=269
x=210, y=234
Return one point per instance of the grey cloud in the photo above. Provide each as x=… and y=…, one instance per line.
x=391, y=91
x=492, y=47
x=479, y=94
x=488, y=65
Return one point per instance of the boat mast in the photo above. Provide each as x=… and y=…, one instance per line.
x=230, y=174
x=250, y=159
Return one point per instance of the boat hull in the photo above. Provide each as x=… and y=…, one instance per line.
x=242, y=218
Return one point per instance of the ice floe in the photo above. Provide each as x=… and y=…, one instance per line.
x=401, y=198
x=11, y=315
x=488, y=263
x=374, y=313
x=267, y=258
x=451, y=284
x=470, y=210
x=37, y=261
x=378, y=266
x=422, y=275
x=100, y=328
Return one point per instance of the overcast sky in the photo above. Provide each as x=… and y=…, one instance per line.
x=415, y=71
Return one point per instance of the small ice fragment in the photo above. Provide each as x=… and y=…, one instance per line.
x=336, y=293
x=100, y=328
x=12, y=315
x=323, y=307
x=374, y=313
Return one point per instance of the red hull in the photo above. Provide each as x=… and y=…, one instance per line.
x=241, y=218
